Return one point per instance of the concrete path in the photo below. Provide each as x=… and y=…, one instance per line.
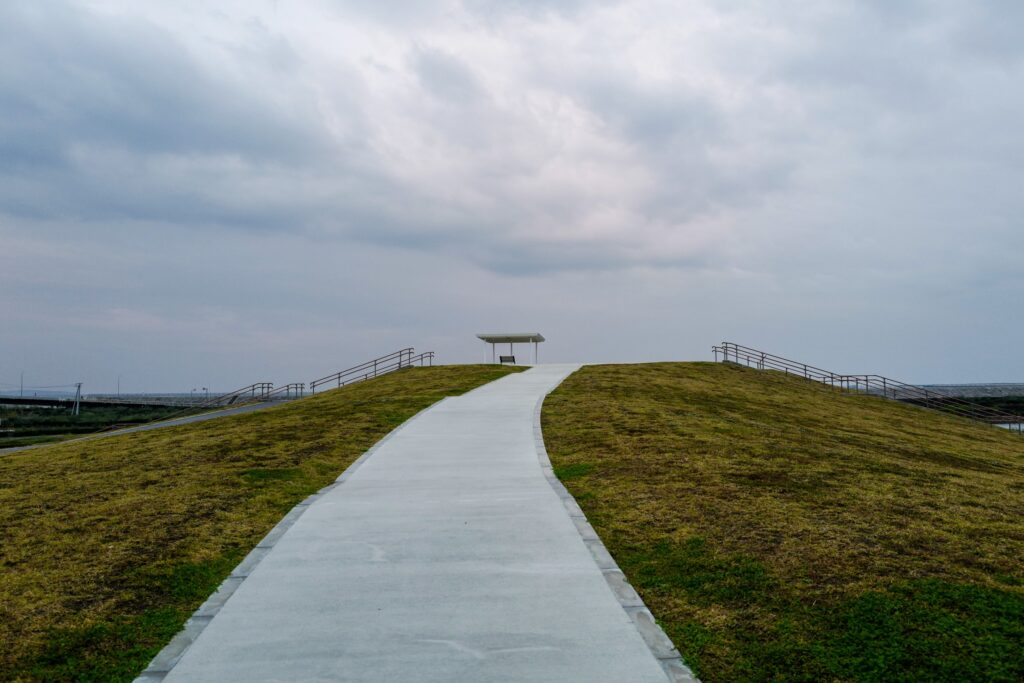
x=445, y=556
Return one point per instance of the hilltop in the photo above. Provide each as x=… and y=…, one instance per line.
x=780, y=529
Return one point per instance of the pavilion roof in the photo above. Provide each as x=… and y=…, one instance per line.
x=511, y=337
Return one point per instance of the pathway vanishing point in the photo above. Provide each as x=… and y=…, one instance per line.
x=443, y=555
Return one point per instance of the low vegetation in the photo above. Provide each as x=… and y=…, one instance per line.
x=110, y=544
x=1007, y=405
x=783, y=530
x=28, y=425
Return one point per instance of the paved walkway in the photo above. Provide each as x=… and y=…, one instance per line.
x=445, y=556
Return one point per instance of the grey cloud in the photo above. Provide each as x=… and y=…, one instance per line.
x=682, y=132
x=536, y=8
x=991, y=31
x=113, y=119
x=379, y=172
x=445, y=76
x=120, y=122
x=130, y=84
x=653, y=116
x=580, y=257
x=104, y=117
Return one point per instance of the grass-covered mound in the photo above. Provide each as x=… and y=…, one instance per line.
x=109, y=545
x=782, y=530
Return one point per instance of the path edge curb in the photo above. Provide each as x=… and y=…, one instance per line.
x=657, y=641
x=165, y=660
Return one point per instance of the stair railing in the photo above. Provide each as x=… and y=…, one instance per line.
x=425, y=358
x=257, y=391
x=396, y=360
x=287, y=392
x=876, y=385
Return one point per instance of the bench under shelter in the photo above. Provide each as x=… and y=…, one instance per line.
x=511, y=338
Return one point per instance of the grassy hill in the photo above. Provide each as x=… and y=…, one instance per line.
x=782, y=530
x=109, y=545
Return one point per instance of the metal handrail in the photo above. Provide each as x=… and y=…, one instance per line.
x=396, y=360
x=876, y=385
x=257, y=391
x=426, y=356
x=370, y=368
x=288, y=391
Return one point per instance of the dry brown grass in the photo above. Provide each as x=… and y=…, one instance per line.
x=108, y=545
x=782, y=530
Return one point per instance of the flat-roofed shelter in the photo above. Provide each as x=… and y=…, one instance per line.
x=511, y=338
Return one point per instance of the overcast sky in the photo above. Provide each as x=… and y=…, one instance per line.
x=209, y=193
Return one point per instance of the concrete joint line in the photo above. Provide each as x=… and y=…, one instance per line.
x=657, y=641
x=165, y=660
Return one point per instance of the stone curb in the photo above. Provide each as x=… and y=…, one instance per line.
x=659, y=644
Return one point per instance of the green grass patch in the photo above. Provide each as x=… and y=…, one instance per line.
x=260, y=474
x=110, y=544
x=578, y=469
x=928, y=630
x=690, y=567
x=112, y=649
x=782, y=530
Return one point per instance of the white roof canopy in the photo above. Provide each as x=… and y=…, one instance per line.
x=512, y=337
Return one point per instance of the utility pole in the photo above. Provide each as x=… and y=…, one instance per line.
x=23, y=384
x=78, y=399
x=119, y=386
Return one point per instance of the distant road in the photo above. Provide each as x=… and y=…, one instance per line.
x=203, y=417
